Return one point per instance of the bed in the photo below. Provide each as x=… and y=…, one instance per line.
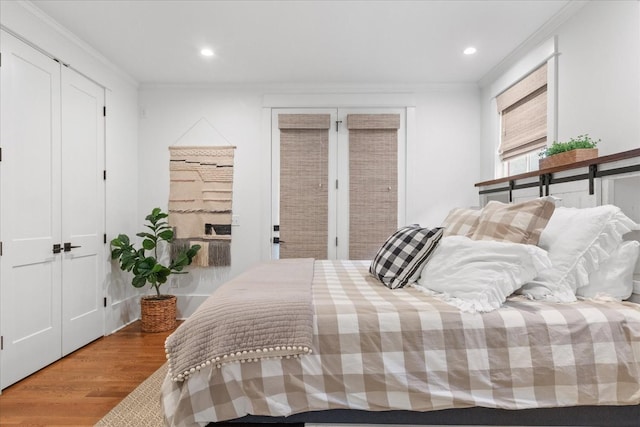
x=365, y=353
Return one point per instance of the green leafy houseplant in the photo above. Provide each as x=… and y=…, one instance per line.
x=581, y=141
x=147, y=268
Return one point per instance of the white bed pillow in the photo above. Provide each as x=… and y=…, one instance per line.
x=631, y=236
x=577, y=241
x=614, y=278
x=479, y=275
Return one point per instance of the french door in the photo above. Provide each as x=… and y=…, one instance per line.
x=338, y=181
x=51, y=194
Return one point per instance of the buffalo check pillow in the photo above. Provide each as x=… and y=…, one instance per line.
x=401, y=259
x=461, y=222
x=517, y=223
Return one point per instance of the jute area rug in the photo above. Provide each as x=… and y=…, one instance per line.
x=141, y=408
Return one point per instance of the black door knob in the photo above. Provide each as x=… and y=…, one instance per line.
x=68, y=247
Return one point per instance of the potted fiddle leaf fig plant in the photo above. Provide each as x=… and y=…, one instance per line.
x=158, y=312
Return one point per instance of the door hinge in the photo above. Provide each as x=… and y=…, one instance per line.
x=338, y=124
x=0, y=248
x=0, y=154
x=1, y=342
x=336, y=241
x=104, y=175
x=105, y=238
x=336, y=184
x=105, y=301
x=104, y=111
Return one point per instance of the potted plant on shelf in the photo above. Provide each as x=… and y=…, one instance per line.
x=158, y=312
x=575, y=150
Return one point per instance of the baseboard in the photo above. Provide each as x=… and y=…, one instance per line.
x=187, y=304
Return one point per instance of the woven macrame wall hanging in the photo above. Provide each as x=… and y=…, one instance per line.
x=200, y=196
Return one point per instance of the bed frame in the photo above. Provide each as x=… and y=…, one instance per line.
x=605, y=416
x=581, y=184
x=601, y=175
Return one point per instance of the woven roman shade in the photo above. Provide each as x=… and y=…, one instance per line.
x=373, y=121
x=373, y=181
x=304, y=121
x=524, y=115
x=304, y=140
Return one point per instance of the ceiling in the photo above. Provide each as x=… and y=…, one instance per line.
x=303, y=42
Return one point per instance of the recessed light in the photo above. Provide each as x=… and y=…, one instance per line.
x=206, y=52
x=470, y=50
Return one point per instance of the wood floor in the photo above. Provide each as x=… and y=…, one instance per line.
x=81, y=388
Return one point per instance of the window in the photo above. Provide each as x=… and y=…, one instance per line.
x=521, y=164
x=523, y=122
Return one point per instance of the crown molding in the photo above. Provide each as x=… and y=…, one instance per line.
x=546, y=31
x=316, y=88
x=71, y=37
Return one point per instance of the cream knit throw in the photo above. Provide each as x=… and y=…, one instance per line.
x=265, y=312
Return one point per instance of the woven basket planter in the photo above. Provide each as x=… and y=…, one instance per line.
x=158, y=314
x=568, y=157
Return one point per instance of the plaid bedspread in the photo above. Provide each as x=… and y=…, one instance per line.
x=376, y=349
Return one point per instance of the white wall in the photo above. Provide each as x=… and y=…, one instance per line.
x=599, y=75
x=121, y=136
x=598, y=80
x=166, y=114
x=442, y=159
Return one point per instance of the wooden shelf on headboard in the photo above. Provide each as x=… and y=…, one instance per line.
x=544, y=178
x=586, y=163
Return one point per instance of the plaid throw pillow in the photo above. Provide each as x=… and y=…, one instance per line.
x=401, y=259
x=461, y=222
x=517, y=223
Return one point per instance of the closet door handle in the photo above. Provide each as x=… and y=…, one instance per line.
x=68, y=247
x=57, y=248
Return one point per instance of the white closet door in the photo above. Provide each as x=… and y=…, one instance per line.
x=30, y=277
x=82, y=211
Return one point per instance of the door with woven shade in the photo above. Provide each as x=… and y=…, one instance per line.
x=303, y=196
x=338, y=181
x=371, y=200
